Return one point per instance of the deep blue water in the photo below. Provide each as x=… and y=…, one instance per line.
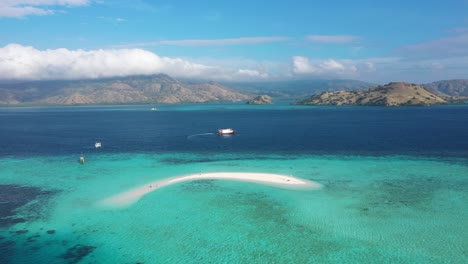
x=439, y=131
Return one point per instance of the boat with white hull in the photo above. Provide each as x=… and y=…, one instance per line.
x=226, y=131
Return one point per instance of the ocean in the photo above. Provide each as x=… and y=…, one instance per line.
x=395, y=184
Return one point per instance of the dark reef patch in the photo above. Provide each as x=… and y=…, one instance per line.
x=389, y=194
x=50, y=232
x=33, y=238
x=418, y=193
x=7, y=249
x=14, y=197
x=76, y=253
x=10, y=221
x=20, y=232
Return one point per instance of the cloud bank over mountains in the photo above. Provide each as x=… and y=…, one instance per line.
x=20, y=62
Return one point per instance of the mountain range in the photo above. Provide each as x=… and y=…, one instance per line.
x=449, y=87
x=159, y=88
x=296, y=89
x=162, y=88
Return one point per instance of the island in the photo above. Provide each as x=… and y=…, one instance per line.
x=392, y=94
x=260, y=100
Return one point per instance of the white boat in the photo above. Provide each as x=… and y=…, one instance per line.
x=97, y=145
x=82, y=160
x=226, y=131
x=153, y=109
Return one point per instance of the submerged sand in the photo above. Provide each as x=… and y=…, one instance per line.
x=129, y=197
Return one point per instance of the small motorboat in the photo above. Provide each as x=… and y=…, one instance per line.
x=153, y=109
x=226, y=131
x=97, y=145
x=81, y=160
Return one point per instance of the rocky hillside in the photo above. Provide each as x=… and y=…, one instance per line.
x=457, y=88
x=392, y=94
x=261, y=99
x=137, y=89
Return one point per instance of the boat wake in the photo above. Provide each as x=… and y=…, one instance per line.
x=198, y=135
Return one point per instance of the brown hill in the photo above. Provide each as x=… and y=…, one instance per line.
x=392, y=94
x=261, y=99
x=136, y=89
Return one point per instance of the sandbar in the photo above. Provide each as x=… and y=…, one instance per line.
x=129, y=197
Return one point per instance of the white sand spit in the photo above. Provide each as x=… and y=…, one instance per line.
x=129, y=197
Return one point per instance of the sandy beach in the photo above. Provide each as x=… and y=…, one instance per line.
x=283, y=181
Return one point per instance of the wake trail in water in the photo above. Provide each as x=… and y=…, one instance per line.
x=197, y=135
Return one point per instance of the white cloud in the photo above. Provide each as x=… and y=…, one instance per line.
x=340, y=68
x=329, y=67
x=22, y=8
x=381, y=70
x=252, y=73
x=210, y=42
x=18, y=62
x=302, y=65
x=332, y=65
x=334, y=39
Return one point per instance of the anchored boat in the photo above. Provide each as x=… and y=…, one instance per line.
x=226, y=131
x=97, y=145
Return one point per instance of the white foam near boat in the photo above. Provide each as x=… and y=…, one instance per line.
x=97, y=145
x=226, y=131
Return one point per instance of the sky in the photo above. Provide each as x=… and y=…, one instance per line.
x=263, y=40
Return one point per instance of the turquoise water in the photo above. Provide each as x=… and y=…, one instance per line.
x=387, y=209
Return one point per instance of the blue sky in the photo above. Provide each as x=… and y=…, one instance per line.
x=377, y=41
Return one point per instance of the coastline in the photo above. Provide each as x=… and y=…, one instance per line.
x=129, y=197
